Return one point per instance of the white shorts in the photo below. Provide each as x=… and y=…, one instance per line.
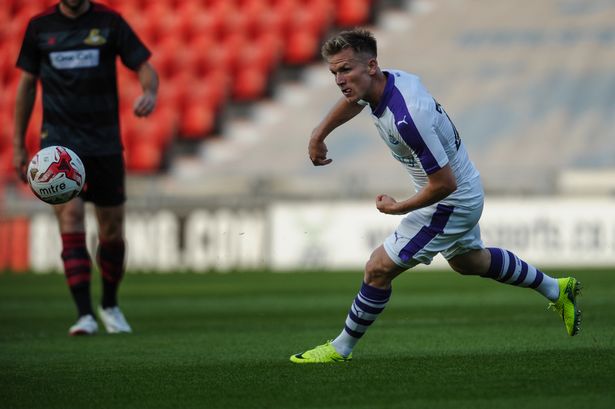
x=435, y=229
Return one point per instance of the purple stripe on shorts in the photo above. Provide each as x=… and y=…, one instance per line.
x=427, y=233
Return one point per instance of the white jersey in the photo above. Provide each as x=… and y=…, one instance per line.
x=421, y=136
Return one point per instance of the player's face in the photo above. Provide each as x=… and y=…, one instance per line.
x=353, y=74
x=72, y=4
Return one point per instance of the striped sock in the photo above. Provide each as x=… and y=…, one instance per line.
x=507, y=268
x=77, y=269
x=110, y=259
x=366, y=307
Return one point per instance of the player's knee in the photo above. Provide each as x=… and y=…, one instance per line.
x=70, y=218
x=110, y=232
x=111, y=226
x=475, y=262
x=376, y=274
x=461, y=268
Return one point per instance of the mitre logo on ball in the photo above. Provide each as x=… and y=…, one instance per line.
x=56, y=174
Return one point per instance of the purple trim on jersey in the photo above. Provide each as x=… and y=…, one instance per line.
x=394, y=100
x=410, y=134
x=427, y=233
x=386, y=95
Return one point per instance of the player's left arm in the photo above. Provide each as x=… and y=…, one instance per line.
x=145, y=104
x=440, y=185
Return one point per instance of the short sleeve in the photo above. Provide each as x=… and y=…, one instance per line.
x=29, y=58
x=131, y=49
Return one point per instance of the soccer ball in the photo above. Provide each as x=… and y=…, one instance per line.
x=56, y=174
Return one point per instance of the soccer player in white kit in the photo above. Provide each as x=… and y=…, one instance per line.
x=443, y=215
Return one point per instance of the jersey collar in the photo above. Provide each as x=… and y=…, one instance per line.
x=386, y=95
x=88, y=11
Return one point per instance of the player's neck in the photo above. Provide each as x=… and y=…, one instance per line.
x=379, y=84
x=74, y=13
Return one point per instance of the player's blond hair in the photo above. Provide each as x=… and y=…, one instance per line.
x=360, y=40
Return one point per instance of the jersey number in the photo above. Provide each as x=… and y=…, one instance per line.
x=455, y=131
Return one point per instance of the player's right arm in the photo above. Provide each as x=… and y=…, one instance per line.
x=342, y=112
x=24, y=103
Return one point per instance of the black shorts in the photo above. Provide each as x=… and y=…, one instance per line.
x=104, y=180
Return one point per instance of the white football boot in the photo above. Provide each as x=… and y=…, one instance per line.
x=113, y=320
x=85, y=325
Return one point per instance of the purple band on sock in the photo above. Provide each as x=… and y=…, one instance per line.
x=512, y=266
x=367, y=308
x=495, y=268
x=352, y=333
x=523, y=273
x=374, y=294
x=538, y=279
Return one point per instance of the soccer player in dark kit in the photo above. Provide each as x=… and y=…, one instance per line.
x=72, y=48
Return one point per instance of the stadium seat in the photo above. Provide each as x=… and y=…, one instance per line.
x=249, y=84
x=263, y=53
x=301, y=47
x=270, y=21
x=143, y=157
x=197, y=121
x=197, y=47
x=352, y=12
x=313, y=17
x=7, y=172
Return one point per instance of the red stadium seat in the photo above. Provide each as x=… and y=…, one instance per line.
x=143, y=157
x=7, y=172
x=352, y=12
x=169, y=56
x=263, y=53
x=301, y=47
x=162, y=17
x=206, y=52
x=270, y=21
x=314, y=17
x=171, y=93
x=197, y=122
x=249, y=84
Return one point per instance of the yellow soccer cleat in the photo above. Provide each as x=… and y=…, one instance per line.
x=322, y=354
x=566, y=304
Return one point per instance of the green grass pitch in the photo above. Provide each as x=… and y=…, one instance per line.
x=223, y=341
